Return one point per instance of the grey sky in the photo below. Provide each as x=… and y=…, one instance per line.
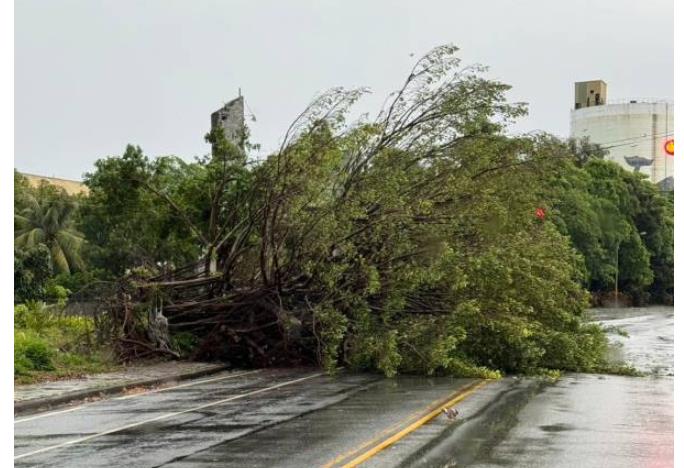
x=92, y=76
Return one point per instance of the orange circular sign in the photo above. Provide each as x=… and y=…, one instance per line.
x=669, y=147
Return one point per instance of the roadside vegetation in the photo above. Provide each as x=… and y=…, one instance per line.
x=425, y=241
x=49, y=345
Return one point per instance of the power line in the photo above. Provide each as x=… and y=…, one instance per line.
x=631, y=140
x=649, y=135
x=635, y=141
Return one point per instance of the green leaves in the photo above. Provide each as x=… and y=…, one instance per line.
x=32, y=270
x=330, y=327
x=47, y=218
x=616, y=219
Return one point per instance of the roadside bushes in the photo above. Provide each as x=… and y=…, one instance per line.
x=32, y=353
x=48, y=344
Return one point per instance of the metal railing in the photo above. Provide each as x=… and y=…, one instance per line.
x=640, y=100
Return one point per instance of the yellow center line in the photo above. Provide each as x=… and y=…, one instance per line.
x=433, y=410
x=379, y=436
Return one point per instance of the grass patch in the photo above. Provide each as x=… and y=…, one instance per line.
x=50, y=346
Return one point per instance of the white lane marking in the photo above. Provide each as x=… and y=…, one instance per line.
x=189, y=384
x=166, y=416
x=156, y=390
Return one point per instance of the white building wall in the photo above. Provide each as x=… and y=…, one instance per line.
x=630, y=129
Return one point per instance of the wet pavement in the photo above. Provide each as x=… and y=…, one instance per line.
x=329, y=436
x=298, y=417
x=579, y=421
x=158, y=428
x=130, y=376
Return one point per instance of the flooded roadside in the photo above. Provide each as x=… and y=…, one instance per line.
x=642, y=336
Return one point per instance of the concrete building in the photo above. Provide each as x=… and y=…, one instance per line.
x=232, y=118
x=635, y=132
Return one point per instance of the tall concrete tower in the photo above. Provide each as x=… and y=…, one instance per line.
x=635, y=132
x=231, y=117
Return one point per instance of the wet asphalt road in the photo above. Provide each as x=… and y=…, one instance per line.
x=230, y=419
x=579, y=421
x=300, y=418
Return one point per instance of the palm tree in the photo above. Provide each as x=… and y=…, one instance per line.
x=49, y=221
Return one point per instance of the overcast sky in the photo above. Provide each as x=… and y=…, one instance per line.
x=92, y=76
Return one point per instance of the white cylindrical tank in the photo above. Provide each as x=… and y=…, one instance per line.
x=630, y=129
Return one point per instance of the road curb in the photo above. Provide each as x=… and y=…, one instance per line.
x=48, y=402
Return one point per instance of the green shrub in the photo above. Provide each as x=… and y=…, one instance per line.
x=34, y=316
x=32, y=353
x=48, y=320
x=20, y=316
x=184, y=343
x=57, y=293
x=50, y=344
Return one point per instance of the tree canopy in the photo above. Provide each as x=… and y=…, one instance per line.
x=46, y=217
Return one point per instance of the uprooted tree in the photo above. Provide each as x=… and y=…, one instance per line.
x=406, y=243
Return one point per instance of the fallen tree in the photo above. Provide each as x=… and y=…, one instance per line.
x=407, y=242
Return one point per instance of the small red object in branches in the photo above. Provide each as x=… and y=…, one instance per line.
x=540, y=213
